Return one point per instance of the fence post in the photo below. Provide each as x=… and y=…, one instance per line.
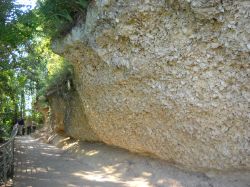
x=4, y=166
x=12, y=157
x=7, y=158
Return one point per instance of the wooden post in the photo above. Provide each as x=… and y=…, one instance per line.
x=12, y=159
x=4, y=166
x=7, y=158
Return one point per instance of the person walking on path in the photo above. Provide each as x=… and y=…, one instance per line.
x=33, y=126
x=29, y=125
x=21, y=128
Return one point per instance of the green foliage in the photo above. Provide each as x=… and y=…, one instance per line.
x=37, y=117
x=61, y=76
x=18, y=27
x=5, y=130
x=59, y=16
x=27, y=65
x=56, y=82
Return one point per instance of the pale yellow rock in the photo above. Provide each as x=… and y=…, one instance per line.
x=166, y=78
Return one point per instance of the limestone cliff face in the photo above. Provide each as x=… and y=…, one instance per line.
x=168, y=78
x=67, y=115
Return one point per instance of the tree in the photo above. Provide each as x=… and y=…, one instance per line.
x=27, y=65
x=17, y=30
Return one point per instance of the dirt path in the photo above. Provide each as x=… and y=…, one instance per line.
x=44, y=165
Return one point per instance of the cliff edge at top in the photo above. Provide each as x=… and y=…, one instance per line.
x=166, y=78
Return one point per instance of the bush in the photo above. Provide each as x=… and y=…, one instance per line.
x=60, y=77
x=61, y=15
x=59, y=81
x=4, y=132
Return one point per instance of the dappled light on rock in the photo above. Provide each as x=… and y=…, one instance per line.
x=168, y=79
x=149, y=93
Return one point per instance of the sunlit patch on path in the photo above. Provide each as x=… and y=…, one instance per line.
x=39, y=165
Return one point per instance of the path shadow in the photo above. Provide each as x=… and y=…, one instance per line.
x=96, y=164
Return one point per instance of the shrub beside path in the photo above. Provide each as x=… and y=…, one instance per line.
x=44, y=165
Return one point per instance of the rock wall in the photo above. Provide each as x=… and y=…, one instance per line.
x=67, y=115
x=167, y=78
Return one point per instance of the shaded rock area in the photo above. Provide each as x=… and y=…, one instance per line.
x=165, y=78
x=67, y=114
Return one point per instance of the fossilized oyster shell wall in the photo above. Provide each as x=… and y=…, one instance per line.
x=168, y=78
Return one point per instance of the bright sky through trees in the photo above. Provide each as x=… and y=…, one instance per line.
x=28, y=67
x=28, y=5
x=31, y=3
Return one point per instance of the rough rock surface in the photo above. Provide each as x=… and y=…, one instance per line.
x=67, y=115
x=168, y=78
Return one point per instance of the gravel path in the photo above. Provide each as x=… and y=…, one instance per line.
x=99, y=165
